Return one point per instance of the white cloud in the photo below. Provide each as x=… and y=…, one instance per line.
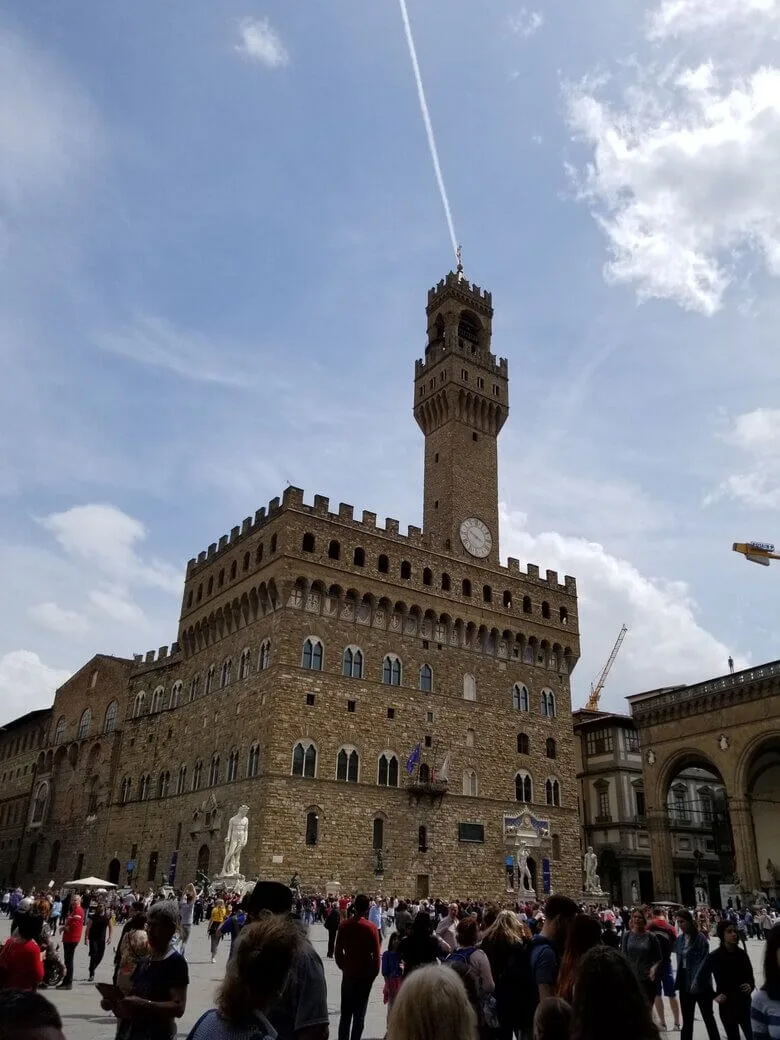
x=260, y=42
x=58, y=619
x=757, y=435
x=680, y=17
x=525, y=23
x=107, y=537
x=114, y=603
x=665, y=645
x=26, y=683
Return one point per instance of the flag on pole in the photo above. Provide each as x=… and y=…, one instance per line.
x=413, y=759
x=445, y=768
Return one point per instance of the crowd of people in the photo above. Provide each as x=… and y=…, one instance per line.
x=449, y=971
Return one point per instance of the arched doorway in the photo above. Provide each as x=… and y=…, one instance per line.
x=204, y=856
x=697, y=812
x=113, y=871
x=762, y=783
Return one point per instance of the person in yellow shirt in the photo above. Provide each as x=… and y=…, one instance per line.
x=218, y=915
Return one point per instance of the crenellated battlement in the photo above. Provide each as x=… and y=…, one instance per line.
x=439, y=351
x=456, y=284
x=293, y=500
x=164, y=655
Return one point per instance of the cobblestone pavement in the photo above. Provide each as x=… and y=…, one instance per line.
x=84, y=1020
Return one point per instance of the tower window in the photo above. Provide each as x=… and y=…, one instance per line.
x=233, y=570
x=259, y=553
x=426, y=678
x=564, y=615
x=545, y=610
x=428, y=740
x=466, y=587
x=427, y=576
x=487, y=594
x=422, y=839
x=334, y=550
x=406, y=570
x=436, y=457
x=308, y=542
x=445, y=583
x=526, y=604
x=245, y=564
x=523, y=744
x=508, y=600
x=474, y=437
x=360, y=558
x=436, y=504
x=383, y=565
x=464, y=374
x=210, y=587
x=221, y=578
x=273, y=543
x=351, y=706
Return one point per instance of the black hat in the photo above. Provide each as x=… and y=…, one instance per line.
x=268, y=895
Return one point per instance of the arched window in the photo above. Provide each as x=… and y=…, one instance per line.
x=307, y=545
x=247, y=558
x=265, y=655
x=347, y=765
x=424, y=773
x=221, y=578
x=158, y=699
x=548, y=704
x=312, y=655
x=39, y=805
x=109, y=721
x=523, y=744
x=422, y=839
x=378, y=833
x=550, y=749
x=524, y=788
x=304, y=761
x=232, y=773
x=470, y=783
x=487, y=594
x=312, y=826
x=181, y=781
x=253, y=762
x=508, y=600
x=197, y=775
x=259, y=554
x=552, y=792
x=84, y=723
x=527, y=604
x=163, y=784
x=144, y=787
x=194, y=684
x=54, y=857
x=334, y=550
x=176, y=694
x=353, y=663
x=243, y=665
x=210, y=587
x=214, y=770
x=274, y=540
x=391, y=670
x=469, y=688
x=427, y=576
x=233, y=570
x=387, y=774
x=520, y=699
x=406, y=570
x=210, y=679
x=59, y=732
x=545, y=609
x=200, y=592
x=466, y=587
x=359, y=558
x=383, y=564
x=189, y=599
x=426, y=678
x=124, y=789
x=564, y=615
x=446, y=583
x=225, y=671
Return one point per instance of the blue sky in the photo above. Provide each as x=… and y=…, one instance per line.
x=218, y=225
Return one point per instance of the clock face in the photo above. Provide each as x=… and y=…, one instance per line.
x=476, y=537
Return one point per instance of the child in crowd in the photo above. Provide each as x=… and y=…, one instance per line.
x=391, y=971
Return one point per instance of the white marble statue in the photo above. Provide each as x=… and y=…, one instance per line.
x=592, y=882
x=634, y=894
x=524, y=880
x=235, y=840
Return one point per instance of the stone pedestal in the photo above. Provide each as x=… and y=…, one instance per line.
x=230, y=883
x=595, y=897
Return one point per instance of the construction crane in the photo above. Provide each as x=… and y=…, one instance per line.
x=595, y=691
x=756, y=552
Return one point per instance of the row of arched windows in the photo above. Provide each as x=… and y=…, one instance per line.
x=521, y=700
x=231, y=573
x=312, y=831
x=309, y=545
x=213, y=679
x=524, y=746
x=85, y=723
x=183, y=782
x=353, y=664
x=304, y=763
x=524, y=789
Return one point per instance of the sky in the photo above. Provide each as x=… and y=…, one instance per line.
x=218, y=225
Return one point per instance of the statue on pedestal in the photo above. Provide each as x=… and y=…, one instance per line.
x=235, y=840
x=592, y=881
x=524, y=880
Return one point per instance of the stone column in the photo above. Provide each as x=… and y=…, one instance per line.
x=745, y=855
x=661, y=855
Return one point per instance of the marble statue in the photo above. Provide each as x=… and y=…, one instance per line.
x=634, y=894
x=592, y=882
x=524, y=880
x=235, y=840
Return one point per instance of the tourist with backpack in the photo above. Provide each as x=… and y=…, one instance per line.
x=473, y=966
x=507, y=943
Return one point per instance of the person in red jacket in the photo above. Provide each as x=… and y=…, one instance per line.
x=71, y=936
x=21, y=965
x=358, y=954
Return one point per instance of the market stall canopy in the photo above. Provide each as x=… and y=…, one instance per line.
x=89, y=882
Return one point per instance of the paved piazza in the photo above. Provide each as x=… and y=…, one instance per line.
x=84, y=1020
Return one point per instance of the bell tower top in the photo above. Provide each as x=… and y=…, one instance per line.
x=461, y=402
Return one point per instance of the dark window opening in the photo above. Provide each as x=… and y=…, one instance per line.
x=526, y=604
x=445, y=583
x=466, y=587
x=312, y=827
x=471, y=832
x=406, y=570
x=508, y=600
x=550, y=750
x=221, y=578
x=308, y=542
x=259, y=553
x=427, y=576
x=273, y=543
x=310, y=699
x=487, y=594
x=564, y=615
x=378, y=836
x=545, y=610
x=391, y=713
x=422, y=839
x=334, y=550
x=383, y=565
x=351, y=706
x=210, y=587
x=247, y=559
x=428, y=740
x=360, y=558
x=474, y=436
x=523, y=744
x=233, y=570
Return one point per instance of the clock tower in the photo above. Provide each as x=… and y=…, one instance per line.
x=461, y=401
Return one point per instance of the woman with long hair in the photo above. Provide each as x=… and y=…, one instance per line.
x=734, y=981
x=505, y=943
x=420, y=946
x=584, y=934
x=256, y=975
x=644, y=953
x=765, y=1010
x=692, y=949
x=432, y=1005
x=608, y=1001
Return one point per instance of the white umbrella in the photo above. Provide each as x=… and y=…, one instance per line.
x=89, y=882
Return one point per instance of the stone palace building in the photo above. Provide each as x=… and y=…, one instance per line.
x=394, y=708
